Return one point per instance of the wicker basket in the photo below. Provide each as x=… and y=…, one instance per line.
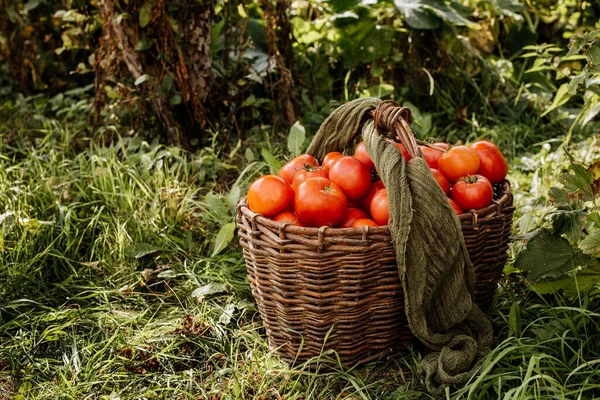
x=338, y=288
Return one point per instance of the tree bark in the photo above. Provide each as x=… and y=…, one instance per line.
x=196, y=19
x=131, y=58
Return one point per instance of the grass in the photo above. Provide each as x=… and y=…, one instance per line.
x=103, y=247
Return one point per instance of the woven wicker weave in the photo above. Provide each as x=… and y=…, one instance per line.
x=338, y=288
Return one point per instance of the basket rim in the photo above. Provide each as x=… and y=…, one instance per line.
x=504, y=203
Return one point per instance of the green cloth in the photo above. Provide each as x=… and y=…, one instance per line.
x=433, y=263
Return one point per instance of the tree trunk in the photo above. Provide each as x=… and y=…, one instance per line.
x=196, y=20
x=180, y=48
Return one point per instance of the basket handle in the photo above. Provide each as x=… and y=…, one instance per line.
x=393, y=121
x=391, y=113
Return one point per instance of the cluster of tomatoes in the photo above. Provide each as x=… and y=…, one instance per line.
x=341, y=193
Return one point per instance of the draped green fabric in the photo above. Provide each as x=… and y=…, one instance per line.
x=433, y=264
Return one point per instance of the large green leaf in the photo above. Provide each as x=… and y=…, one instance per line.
x=425, y=14
x=579, y=281
x=417, y=16
x=549, y=256
x=365, y=41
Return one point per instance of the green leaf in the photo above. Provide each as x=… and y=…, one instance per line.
x=140, y=250
x=175, y=99
x=167, y=83
x=296, y=138
x=590, y=114
x=558, y=196
x=561, y=97
x=343, y=5
x=581, y=281
x=249, y=155
x=514, y=320
x=31, y=5
x=591, y=243
x=142, y=79
x=594, y=171
x=594, y=54
x=448, y=12
x=549, y=256
x=111, y=93
x=143, y=44
x=271, y=161
x=416, y=15
x=578, y=181
x=216, y=207
x=208, y=289
x=234, y=195
x=421, y=14
x=146, y=14
x=223, y=238
x=242, y=11
x=576, y=44
x=575, y=82
x=250, y=100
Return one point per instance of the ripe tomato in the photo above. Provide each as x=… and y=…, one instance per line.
x=432, y=156
x=269, y=195
x=441, y=180
x=455, y=206
x=364, y=222
x=352, y=176
x=320, y=202
x=472, y=192
x=493, y=165
x=291, y=168
x=366, y=201
x=405, y=154
x=307, y=173
x=287, y=217
x=361, y=155
x=379, y=207
x=458, y=161
x=352, y=215
x=331, y=158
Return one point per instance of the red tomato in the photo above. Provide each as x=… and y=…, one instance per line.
x=441, y=180
x=379, y=207
x=320, y=202
x=307, y=173
x=493, y=165
x=361, y=155
x=291, y=168
x=458, y=161
x=366, y=201
x=455, y=206
x=472, y=192
x=359, y=223
x=352, y=215
x=431, y=156
x=287, y=217
x=331, y=158
x=269, y=195
x=405, y=154
x=352, y=176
